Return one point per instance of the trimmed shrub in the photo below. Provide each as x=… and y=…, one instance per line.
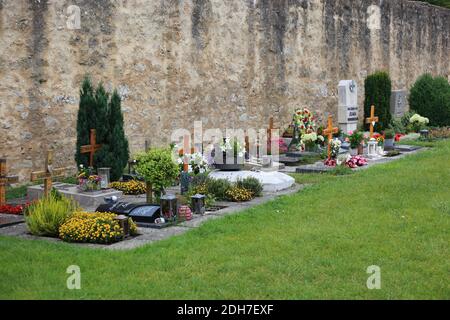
x=218, y=188
x=430, y=97
x=45, y=216
x=378, y=88
x=99, y=227
x=251, y=184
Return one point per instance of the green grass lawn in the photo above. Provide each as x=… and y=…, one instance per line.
x=317, y=243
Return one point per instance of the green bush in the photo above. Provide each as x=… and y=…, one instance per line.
x=200, y=179
x=157, y=167
x=218, y=188
x=45, y=216
x=378, y=88
x=430, y=97
x=97, y=110
x=251, y=184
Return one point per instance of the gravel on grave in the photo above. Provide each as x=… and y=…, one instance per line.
x=148, y=235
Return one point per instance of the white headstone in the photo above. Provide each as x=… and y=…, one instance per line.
x=348, y=105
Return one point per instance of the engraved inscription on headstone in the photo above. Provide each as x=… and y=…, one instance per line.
x=348, y=105
x=398, y=103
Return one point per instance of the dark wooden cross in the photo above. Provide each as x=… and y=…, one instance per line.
x=372, y=120
x=91, y=148
x=48, y=173
x=4, y=180
x=329, y=131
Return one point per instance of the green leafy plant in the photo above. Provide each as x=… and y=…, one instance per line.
x=45, y=216
x=355, y=139
x=157, y=167
x=378, y=88
x=251, y=184
x=389, y=134
x=430, y=97
x=218, y=188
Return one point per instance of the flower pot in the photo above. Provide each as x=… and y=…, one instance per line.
x=360, y=149
x=353, y=151
x=389, y=143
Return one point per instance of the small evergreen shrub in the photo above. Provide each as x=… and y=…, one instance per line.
x=218, y=188
x=430, y=97
x=378, y=88
x=251, y=184
x=45, y=216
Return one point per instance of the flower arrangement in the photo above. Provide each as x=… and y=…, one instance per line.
x=88, y=181
x=418, y=122
x=356, y=161
x=355, y=138
x=99, y=227
x=197, y=162
x=330, y=162
x=239, y=194
x=132, y=187
x=335, y=147
x=229, y=144
x=282, y=146
x=9, y=209
x=379, y=138
x=305, y=121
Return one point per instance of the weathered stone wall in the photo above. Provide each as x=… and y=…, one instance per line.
x=228, y=63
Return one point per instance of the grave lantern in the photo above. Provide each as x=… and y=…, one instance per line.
x=424, y=133
x=123, y=222
x=169, y=207
x=104, y=174
x=372, y=148
x=198, y=202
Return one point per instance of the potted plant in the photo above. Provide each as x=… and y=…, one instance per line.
x=356, y=138
x=229, y=147
x=87, y=181
x=389, y=136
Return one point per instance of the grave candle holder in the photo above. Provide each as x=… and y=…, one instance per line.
x=198, y=202
x=168, y=204
x=104, y=173
x=372, y=148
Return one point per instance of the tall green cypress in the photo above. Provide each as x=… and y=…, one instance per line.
x=84, y=119
x=118, y=143
x=378, y=89
x=104, y=115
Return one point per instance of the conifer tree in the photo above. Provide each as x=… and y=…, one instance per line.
x=84, y=120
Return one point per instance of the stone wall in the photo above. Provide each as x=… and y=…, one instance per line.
x=228, y=63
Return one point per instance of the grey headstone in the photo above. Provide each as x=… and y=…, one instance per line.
x=399, y=103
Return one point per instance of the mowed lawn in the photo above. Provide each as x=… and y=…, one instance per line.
x=317, y=244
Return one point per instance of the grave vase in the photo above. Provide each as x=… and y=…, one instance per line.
x=360, y=149
x=389, y=143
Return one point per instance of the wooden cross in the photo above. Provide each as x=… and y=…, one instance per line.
x=91, y=148
x=48, y=173
x=329, y=131
x=372, y=120
x=4, y=180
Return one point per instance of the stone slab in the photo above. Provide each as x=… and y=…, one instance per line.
x=271, y=181
x=85, y=199
x=7, y=220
